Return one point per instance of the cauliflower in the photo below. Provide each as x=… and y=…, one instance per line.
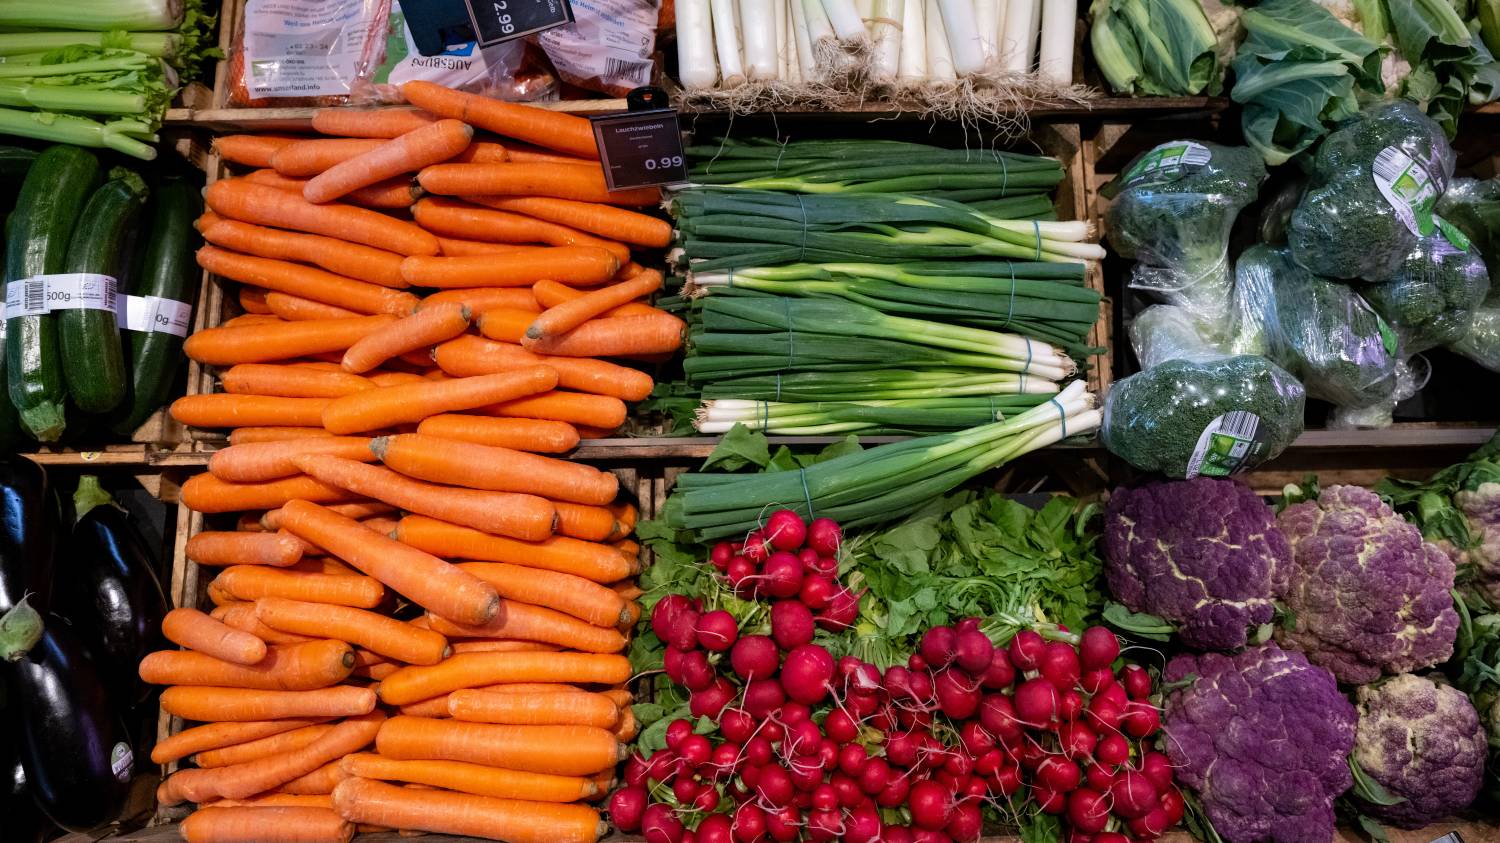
x=1263, y=738
x=1365, y=594
x=1481, y=508
x=1423, y=743
x=1459, y=509
x=1204, y=554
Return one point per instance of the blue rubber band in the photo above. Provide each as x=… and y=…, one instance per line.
x=765, y=414
x=1010, y=310
x=802, y=250
x=1036, y=229
x=791, y=336
x=807, y=495
x=1004, y=175
x=1061, y=415
x=778, y=386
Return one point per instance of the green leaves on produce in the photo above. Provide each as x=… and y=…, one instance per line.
x=1155, y=47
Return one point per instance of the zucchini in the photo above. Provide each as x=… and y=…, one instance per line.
x=37, y=237
x=93, y=361
x=167, y=270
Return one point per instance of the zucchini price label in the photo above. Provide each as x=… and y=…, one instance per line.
x=43, y=294
x=640, y=148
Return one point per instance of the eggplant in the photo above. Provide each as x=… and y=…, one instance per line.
x=23, y=820
x=73, y=748
x=28, y=530
x=109, y=590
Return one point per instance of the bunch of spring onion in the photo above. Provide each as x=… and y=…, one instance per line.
x=722, y=44
x=97, y=73
x=877, y=484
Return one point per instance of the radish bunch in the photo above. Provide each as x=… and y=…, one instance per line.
x=790, y=559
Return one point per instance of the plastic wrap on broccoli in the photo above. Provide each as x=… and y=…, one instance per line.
x=1431, y=299
x=1186, y=418
x=1375, y=181
x=1365, y=594
x=1473, y=207
x=1422, y=743
x=1165, y=332
x=1319, y=330
x=1172, y=212
x=1262, y=737
x=1482, y=343
x=1204, y=554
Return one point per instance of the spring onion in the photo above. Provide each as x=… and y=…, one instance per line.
x=824, y=418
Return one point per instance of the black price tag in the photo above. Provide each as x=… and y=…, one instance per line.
x=502, y=20
x=640, y=148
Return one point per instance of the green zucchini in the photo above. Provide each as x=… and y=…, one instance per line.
x=168, y=270
x=93, y=361
x=37, y=235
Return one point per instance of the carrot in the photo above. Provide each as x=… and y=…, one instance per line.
x=431, y=144
x=286, y=381
x=625, y=514
x=480, y=299
x=252, y=150
x=456, y=247
x=436, y=707
x=225, y=410
x=560, y=319
x=238, y=781
x=216, y=735
x=319, y=782
x=194, y=630
x=476, y=670
x=550, y=294
x=603, y=220
x=221, y=550
x=557, y=750
x=207, y=493
x=257, y=203
x=312, y=156
x=431, y=324
x=193, y=703
x=369, y=123
x=579, y=182
x=596, y=562
x=471, y=778
x=374, y=632
x=251, y=582
x=626, y=546
x=351, y=260
x=283, y=341
x=395, y=378
x=247, y=319
x=504, y=324
x=395, y=192
x=242, y=617
x=562, y=132
x=359, y=511
x=511, y=820
x=297, y=309
x=253, y=301
x=248, y=522
x=390, y=405
x=278, y=800
x=420, y=577
x=251, y=750
x=306, y=282
x=469, y=355
x=557, y=709
x=266, y=825
x=453, y=218
x=520, y=268
x=576, y=596
x=482, y=152
x=547, y=437
x=617, y=336
x=472, y=466
x=271, y=178
x=296, y=667
x=527, y=153
x=261, y=461
x=205, y=219
x=500, y=645
x=376, y=672
x=538, y=623
x=572, y=407
x=504, y=513
x=274, y=433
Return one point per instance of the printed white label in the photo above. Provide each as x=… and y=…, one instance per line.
x=154, y=314
x=1408, y=187
x=121, y=761
x=81, y=291
x=27, y=297
x=609, y=44
x=1177, y=155
x=1230, y=443
x=304, y=48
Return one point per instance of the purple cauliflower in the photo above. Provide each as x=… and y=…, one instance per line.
x=1263, y=738
x=1203, y=554
x=1422, y=742
x=1365, y=594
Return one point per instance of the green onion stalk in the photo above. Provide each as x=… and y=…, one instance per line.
x=880, y=483
x=823, y=418
x=873, y=384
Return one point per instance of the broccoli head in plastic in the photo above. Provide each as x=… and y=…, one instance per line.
x=1262, y=737
x=1423, y=743
x=1204, y=554
x=1431, y=299
x=1365, y=594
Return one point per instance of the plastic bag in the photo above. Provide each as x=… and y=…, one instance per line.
x=304, y=52
x=1482, y=343
x=1319, y=330
x=1375, y=183
x=1473, y=207
x=1411, y=375
x=1432, y=297
x=607, y=47
x=1165, y=332
x=1172, y=212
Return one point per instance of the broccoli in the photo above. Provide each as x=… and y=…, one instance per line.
x=1374, y=183
x=1214, y=417
x=1473, y=207
x=1204, y=554
x=1432, y=297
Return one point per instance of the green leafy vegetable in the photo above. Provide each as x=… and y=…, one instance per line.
x=1155, y=47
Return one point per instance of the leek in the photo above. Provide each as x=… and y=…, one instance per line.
x=696, y=66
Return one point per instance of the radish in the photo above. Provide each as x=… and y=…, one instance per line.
x=841, y=611
x=762, y=697
x=973, y=651
x=1137, y=681
x=958, y=764
x=937, y=646
x=847, y=789
x=998, y=717
x=1050, y=801
x=901, y=748
x=1058, y=773
x=758, y=752
x=828, y=753
x=1000, y=674
x=966, y=823
x=862, y=705
x=802, y=739
x=897, y=834
x=740, y=574
x=874, y=775
x=1112, y=749
x=736, y=724
x=824, y=825
x=1104, y=714
x=817, y=589
x=988, y=763
x=725, y=759
x=635, y=770
x=1026, y=649
x=717, y=631
x=1110, y=837
x=807, y=774
x=749, y=823
x=916, y=664
x=1036, y=702
x=772, y=730
x=825, y=798
x=666, y=616
x=1158, y=769
x=808, y=557
x=825, y=566
x=862, y=826
x=1070, y=705
x=921, y=687
x=1076, y=739
x=696, y=672
x=757, y=550
x=678, y=731
x=1115, y=694
x=1099, y=777
x=791, y=624
x=1093, y=680
x=1173, y=804
x=957, y=693
x=894, y=793
x=1097, y=648
x=1141, y=719
x=1006, y=781
x=715, y=828
x=685, y=789
x=1059, y=664
x=720, y=555
x=1088, y=810
x=897, y=683
x=774, y=786
x=711, y=701
x=976, y=741
x=1151, y=826
x=923, y=835
x=807, y=673
x=627, y=806
x=1133, y=794
x=840, y=726
x=795, y=712
x=659, y=825
x=784, y=825
x=860, y=677
x=931, y=805
x=781, y=576
x=852, y=759
x=824, y=536
x=785, y=529
x=754, y=657
x=695, y=749
x=661, y=765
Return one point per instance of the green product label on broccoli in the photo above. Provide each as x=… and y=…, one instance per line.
x=1406, y=184
x=1453, y=235
x=1229, y=444
x=1168, y=162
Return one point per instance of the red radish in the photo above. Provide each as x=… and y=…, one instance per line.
x=1026, y=649
x=901, y=748
x=1076, y=739
x=808, y=557
x=635, y=770
x=1112, y=749
x=828, y=753
x=1173, y=804
x=772, y=730
x=791, y=624
x=1105, y=715
x=706, y=801
x=736, y=724
x=665, y=617
x=756, y=548
x=840, y=726
x=774, y=786
x=922, y=835
x=685, y=789
x=1158, y=769
x=1137, y=681
x=841, y=611
x=661, y=765
x=697, y=673
x=897, y=681
x=825, y=566
x=973, y=651
x=758, y=752
x=824, y=825
x=762, y=697
x=785, y=529
x=968, y=624
x=802, y=738
x=807, y=774
x=825, y=798
x=781, y=576
x=749, y=823
x=721, y=554
x=921, y=686
x=824, y=536
x=852, y=759
x=958, y=764
x=862, y=705
x=966, y=823
x=725, y=759
x=807, y=673
x=957, y=694
x=740, y=574
x=1050, y=801
x=627, y=806
x=998, y=717
x=784, y=825
x=859, y=676
x=931, y=805
x=717, y=631
x=1059, y=665
x=695, y=749
x=678, y=731
x=1114, y=693
x=862, y=826
x=1006, y=781
x=1099, y=777
x=897, y=834
x=989, y=762
x=1111, y=837
x=847, y=788
x=894, y=793
x=715, y=828
x=874, y=775
x=975, y=740
x=1141, y=719
x=1078, y=836
x=711, y=701
x=659, y=825
x=795, y=712
x=1151, y=826
x=1001, y=673
x=1070, y=705
x=1088, y=810
x=916, y=664
x=1093, y=680
x=754, y=657
x=1133, y=794
x=1057, y=773
x=1036, y=702
x=817, y=590
x=937, y=646
x=1098, y=648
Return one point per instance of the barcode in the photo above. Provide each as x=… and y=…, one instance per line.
x=36, y=296
x=638, y=72
x=1240, y=424
x=1390, y=167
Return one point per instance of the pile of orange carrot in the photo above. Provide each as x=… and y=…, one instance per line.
x=421, y=609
